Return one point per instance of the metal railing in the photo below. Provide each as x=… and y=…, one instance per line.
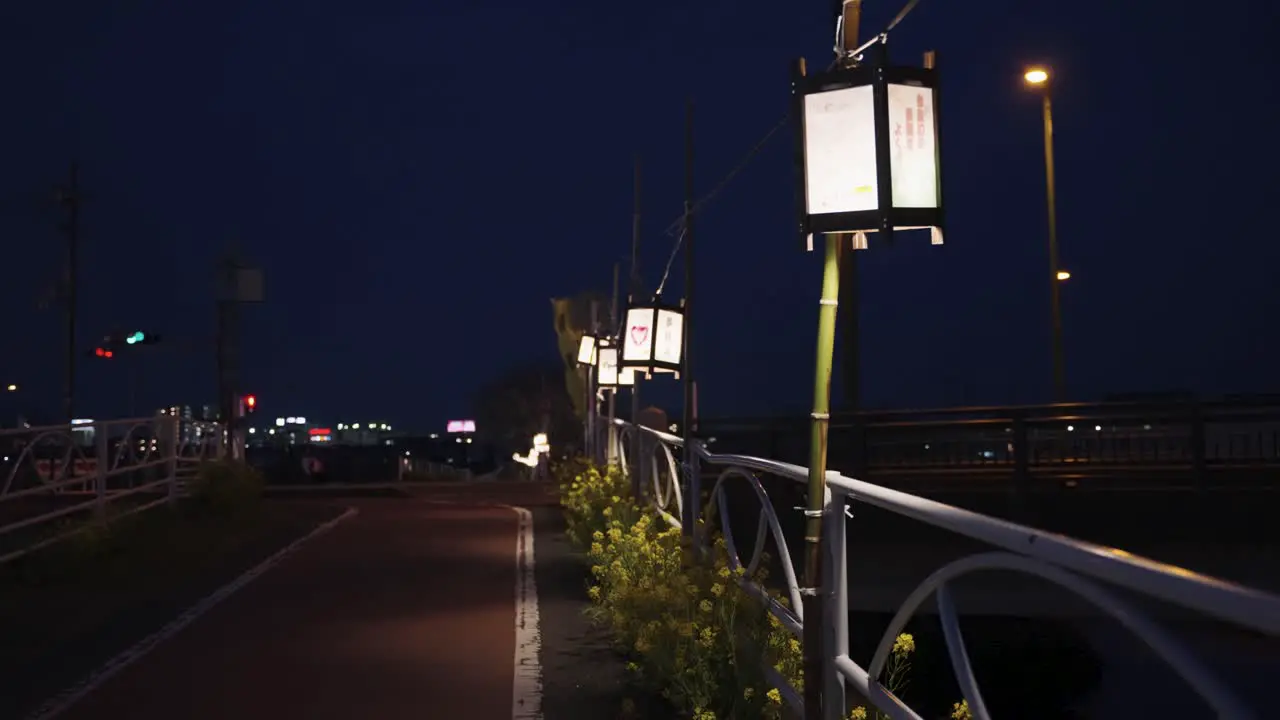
x=1182, y=443
x=106, y=469
x=410, y=466
x=1092, y=572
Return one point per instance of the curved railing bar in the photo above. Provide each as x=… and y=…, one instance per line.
x=1217, y=598
x=127, y=446
x=626, y=443
x=959, y=654
x=767, y=516
x=662, y=496
x=60, y=431
x=1174, y=653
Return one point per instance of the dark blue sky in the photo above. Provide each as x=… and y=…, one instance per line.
x=419, y=179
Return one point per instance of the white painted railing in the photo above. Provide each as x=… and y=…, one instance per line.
x=65, y=471
x=1090, y=571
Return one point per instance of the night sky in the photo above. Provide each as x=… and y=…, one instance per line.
x=419, y=179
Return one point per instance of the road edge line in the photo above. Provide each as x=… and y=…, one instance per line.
x=526, y=687
x=64, y=700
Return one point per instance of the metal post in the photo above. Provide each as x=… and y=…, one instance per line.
x=636, y=285
x=70, y=197
x=612, y=434
x=1059, y=363
x=693, y=484
x=102, y=454
x=170, y=430
x=836, y=620
x=593, y=408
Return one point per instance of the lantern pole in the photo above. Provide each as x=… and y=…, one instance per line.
x=611, y=447
x=820, y=421
x=635, y=285
x=693, y=499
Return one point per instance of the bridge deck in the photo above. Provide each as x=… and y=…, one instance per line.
x=406, y=609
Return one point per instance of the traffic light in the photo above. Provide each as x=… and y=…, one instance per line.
x=138, y=337
x=104, y=353
x=250, y=404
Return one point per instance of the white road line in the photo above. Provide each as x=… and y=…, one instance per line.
x=63, y=701
x=526, y=697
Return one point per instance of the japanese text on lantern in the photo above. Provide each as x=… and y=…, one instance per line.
x=914, y=161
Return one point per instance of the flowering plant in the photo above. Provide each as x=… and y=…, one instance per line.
x=688, y=627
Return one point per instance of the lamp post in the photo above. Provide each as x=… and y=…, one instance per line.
x=1038, y=79
x=867, y=164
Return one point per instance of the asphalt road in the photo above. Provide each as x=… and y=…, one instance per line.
x=405, y=610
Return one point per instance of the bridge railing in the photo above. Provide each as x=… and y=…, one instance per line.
x=1095, y=573
x=1175, y=442
x=52, y=476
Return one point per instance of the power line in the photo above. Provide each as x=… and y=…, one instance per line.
x=679, y=222
x=742, y=164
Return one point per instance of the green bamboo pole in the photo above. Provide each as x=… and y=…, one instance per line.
x=820, y=424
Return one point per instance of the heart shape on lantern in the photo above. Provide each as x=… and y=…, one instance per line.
x=639, y=333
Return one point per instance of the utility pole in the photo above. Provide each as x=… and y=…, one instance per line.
x=635, y=284
x=69, y=197
x=689, y=421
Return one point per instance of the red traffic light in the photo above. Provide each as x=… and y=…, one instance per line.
x=103, y=352
x=250, y=402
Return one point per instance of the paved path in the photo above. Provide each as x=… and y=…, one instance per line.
x=405, y=610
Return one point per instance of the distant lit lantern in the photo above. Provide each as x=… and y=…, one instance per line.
x=653, y=338
x=587, y=350
x=607, y=375
x=867, y=154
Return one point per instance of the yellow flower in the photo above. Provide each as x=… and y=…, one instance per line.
x=723, y=573
x=705, y=606
x=859, y=713
x=904, y=645
x=774, y=696
x=717, y=589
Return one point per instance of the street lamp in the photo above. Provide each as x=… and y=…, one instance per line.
x=12, y=388
x=1038, y=80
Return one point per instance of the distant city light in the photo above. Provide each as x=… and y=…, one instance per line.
x=12, y=388
x=461, y=426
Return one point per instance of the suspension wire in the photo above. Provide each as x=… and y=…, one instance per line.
x=678, y=223
x=882, y=37
x=667, y=271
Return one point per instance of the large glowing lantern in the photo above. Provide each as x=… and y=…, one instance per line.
x=653, y=338
x=587, y=350
x=867, y=156
x=608, y=373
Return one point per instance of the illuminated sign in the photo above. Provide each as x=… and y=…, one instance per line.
x=320, y=431
x=461, y=426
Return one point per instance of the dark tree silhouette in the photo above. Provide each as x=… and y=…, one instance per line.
x=522, y=402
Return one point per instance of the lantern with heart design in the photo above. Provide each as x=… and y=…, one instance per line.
x=867, y=156
x=653, y=338
x=609, y=375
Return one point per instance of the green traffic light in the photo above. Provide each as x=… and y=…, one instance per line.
x=135, y=338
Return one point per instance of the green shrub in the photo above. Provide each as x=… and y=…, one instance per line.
x=689, y=629
x=226, y=487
